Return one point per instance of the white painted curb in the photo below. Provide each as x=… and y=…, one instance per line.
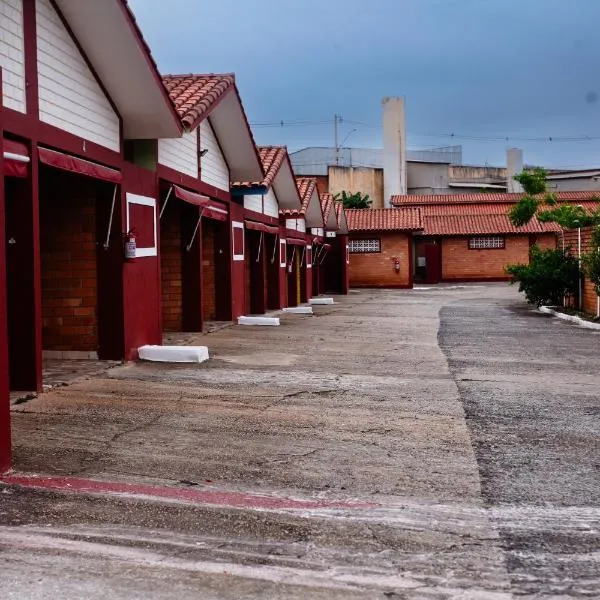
x=174, y=354
x=262, y=321
x=546, y=310
x=299, y=310
x=321, y=301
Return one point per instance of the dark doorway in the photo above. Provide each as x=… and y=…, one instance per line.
x=216, y=271
x=81, y=266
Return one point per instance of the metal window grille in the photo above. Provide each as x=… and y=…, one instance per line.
x=486, y=243
x=365, y=246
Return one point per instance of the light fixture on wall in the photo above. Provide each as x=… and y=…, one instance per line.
x=203, y=152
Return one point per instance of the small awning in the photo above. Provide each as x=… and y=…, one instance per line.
x=210, y=208
x=296, y=242
x=70, y=163
x=16, y=158
x=255, y=226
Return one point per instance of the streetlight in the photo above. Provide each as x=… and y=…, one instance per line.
x=344, y=141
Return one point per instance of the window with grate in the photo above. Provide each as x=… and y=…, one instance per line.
x=365, y=246
x=488, y=242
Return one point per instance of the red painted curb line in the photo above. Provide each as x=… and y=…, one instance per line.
x=206, y=497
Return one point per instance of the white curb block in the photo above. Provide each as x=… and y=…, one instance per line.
x=321, y=301
x=174, y=354
x=299, y=310
x=572, y=318
x=261, y=321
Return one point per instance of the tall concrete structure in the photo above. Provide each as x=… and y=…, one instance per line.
x=514, y=166
x=394, y=149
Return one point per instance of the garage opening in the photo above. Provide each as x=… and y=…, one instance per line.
x=273, y=270
x=216, y=272
x=81, y=266
x=296, y=272
x=180, y=264
x=255, y=270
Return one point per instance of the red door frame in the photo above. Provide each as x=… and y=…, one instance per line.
x=5, y=434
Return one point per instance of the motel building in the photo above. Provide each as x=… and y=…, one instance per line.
x=119, y=224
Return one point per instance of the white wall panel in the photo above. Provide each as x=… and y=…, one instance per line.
x=12, y=54
x=69, y=95
x=253, y=202
x=214, y=166
x=180, y=154
x=271, y=204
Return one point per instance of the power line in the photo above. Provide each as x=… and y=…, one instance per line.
x=444, y=135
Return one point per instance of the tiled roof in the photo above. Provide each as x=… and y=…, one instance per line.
x=480, y=225
x=465, y=209
x=383, y=219
x=489, y=198
x=272, y=158
x=326, y=206
x=339, y=209
x=195, y=95
x=306, y=187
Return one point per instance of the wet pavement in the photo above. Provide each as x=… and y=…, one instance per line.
x=435, y=443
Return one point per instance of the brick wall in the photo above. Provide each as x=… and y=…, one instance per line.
x=589, y=293
x=377, y=269
x=208, y=271
x=461, y=263
x=68, y=260
x=171, y=268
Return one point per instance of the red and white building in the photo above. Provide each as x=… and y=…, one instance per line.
x=203, y=241
x=266, y=239
x=118, y=221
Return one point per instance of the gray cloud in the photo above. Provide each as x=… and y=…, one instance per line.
x=479, y=67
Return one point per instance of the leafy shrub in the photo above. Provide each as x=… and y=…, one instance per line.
x=548, y=278
x=591, y=260
x=356, y=200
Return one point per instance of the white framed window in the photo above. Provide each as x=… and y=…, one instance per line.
x=487, y=242
x=141, y=220
x=237, y=240
x=370, y=246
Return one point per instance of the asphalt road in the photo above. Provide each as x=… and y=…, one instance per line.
x=437, y=443
x=530, y=386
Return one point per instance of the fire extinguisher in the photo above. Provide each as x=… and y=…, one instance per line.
x=130, y=245
x=396, y=265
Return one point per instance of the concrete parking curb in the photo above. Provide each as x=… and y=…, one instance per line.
x=546, y=310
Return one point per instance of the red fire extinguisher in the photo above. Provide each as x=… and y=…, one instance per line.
x=396, y=265
x=130, y=245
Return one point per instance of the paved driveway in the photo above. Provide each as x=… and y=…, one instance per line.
x=436, y=443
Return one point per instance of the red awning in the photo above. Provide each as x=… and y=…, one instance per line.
x=16, y=158
x=262, y=227
x=296, y=242
x=70, y=163
x=210, y=208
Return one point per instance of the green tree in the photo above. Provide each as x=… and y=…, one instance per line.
x=354, y=200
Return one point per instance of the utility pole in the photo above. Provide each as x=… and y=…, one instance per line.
x=336, y=121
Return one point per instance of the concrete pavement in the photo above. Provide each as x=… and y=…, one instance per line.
x=328, y=458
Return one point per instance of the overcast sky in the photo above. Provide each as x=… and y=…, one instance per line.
x=475, y=68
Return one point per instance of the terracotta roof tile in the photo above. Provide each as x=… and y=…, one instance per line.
x=195, y=95
x=480, y=225
x=272, y=157
x=491, y=198
x=383, y=219
x=306, y=187
x=326, y=206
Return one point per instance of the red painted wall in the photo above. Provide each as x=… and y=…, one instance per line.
x=5, y=438
x=141, y=278
x=238, y=279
